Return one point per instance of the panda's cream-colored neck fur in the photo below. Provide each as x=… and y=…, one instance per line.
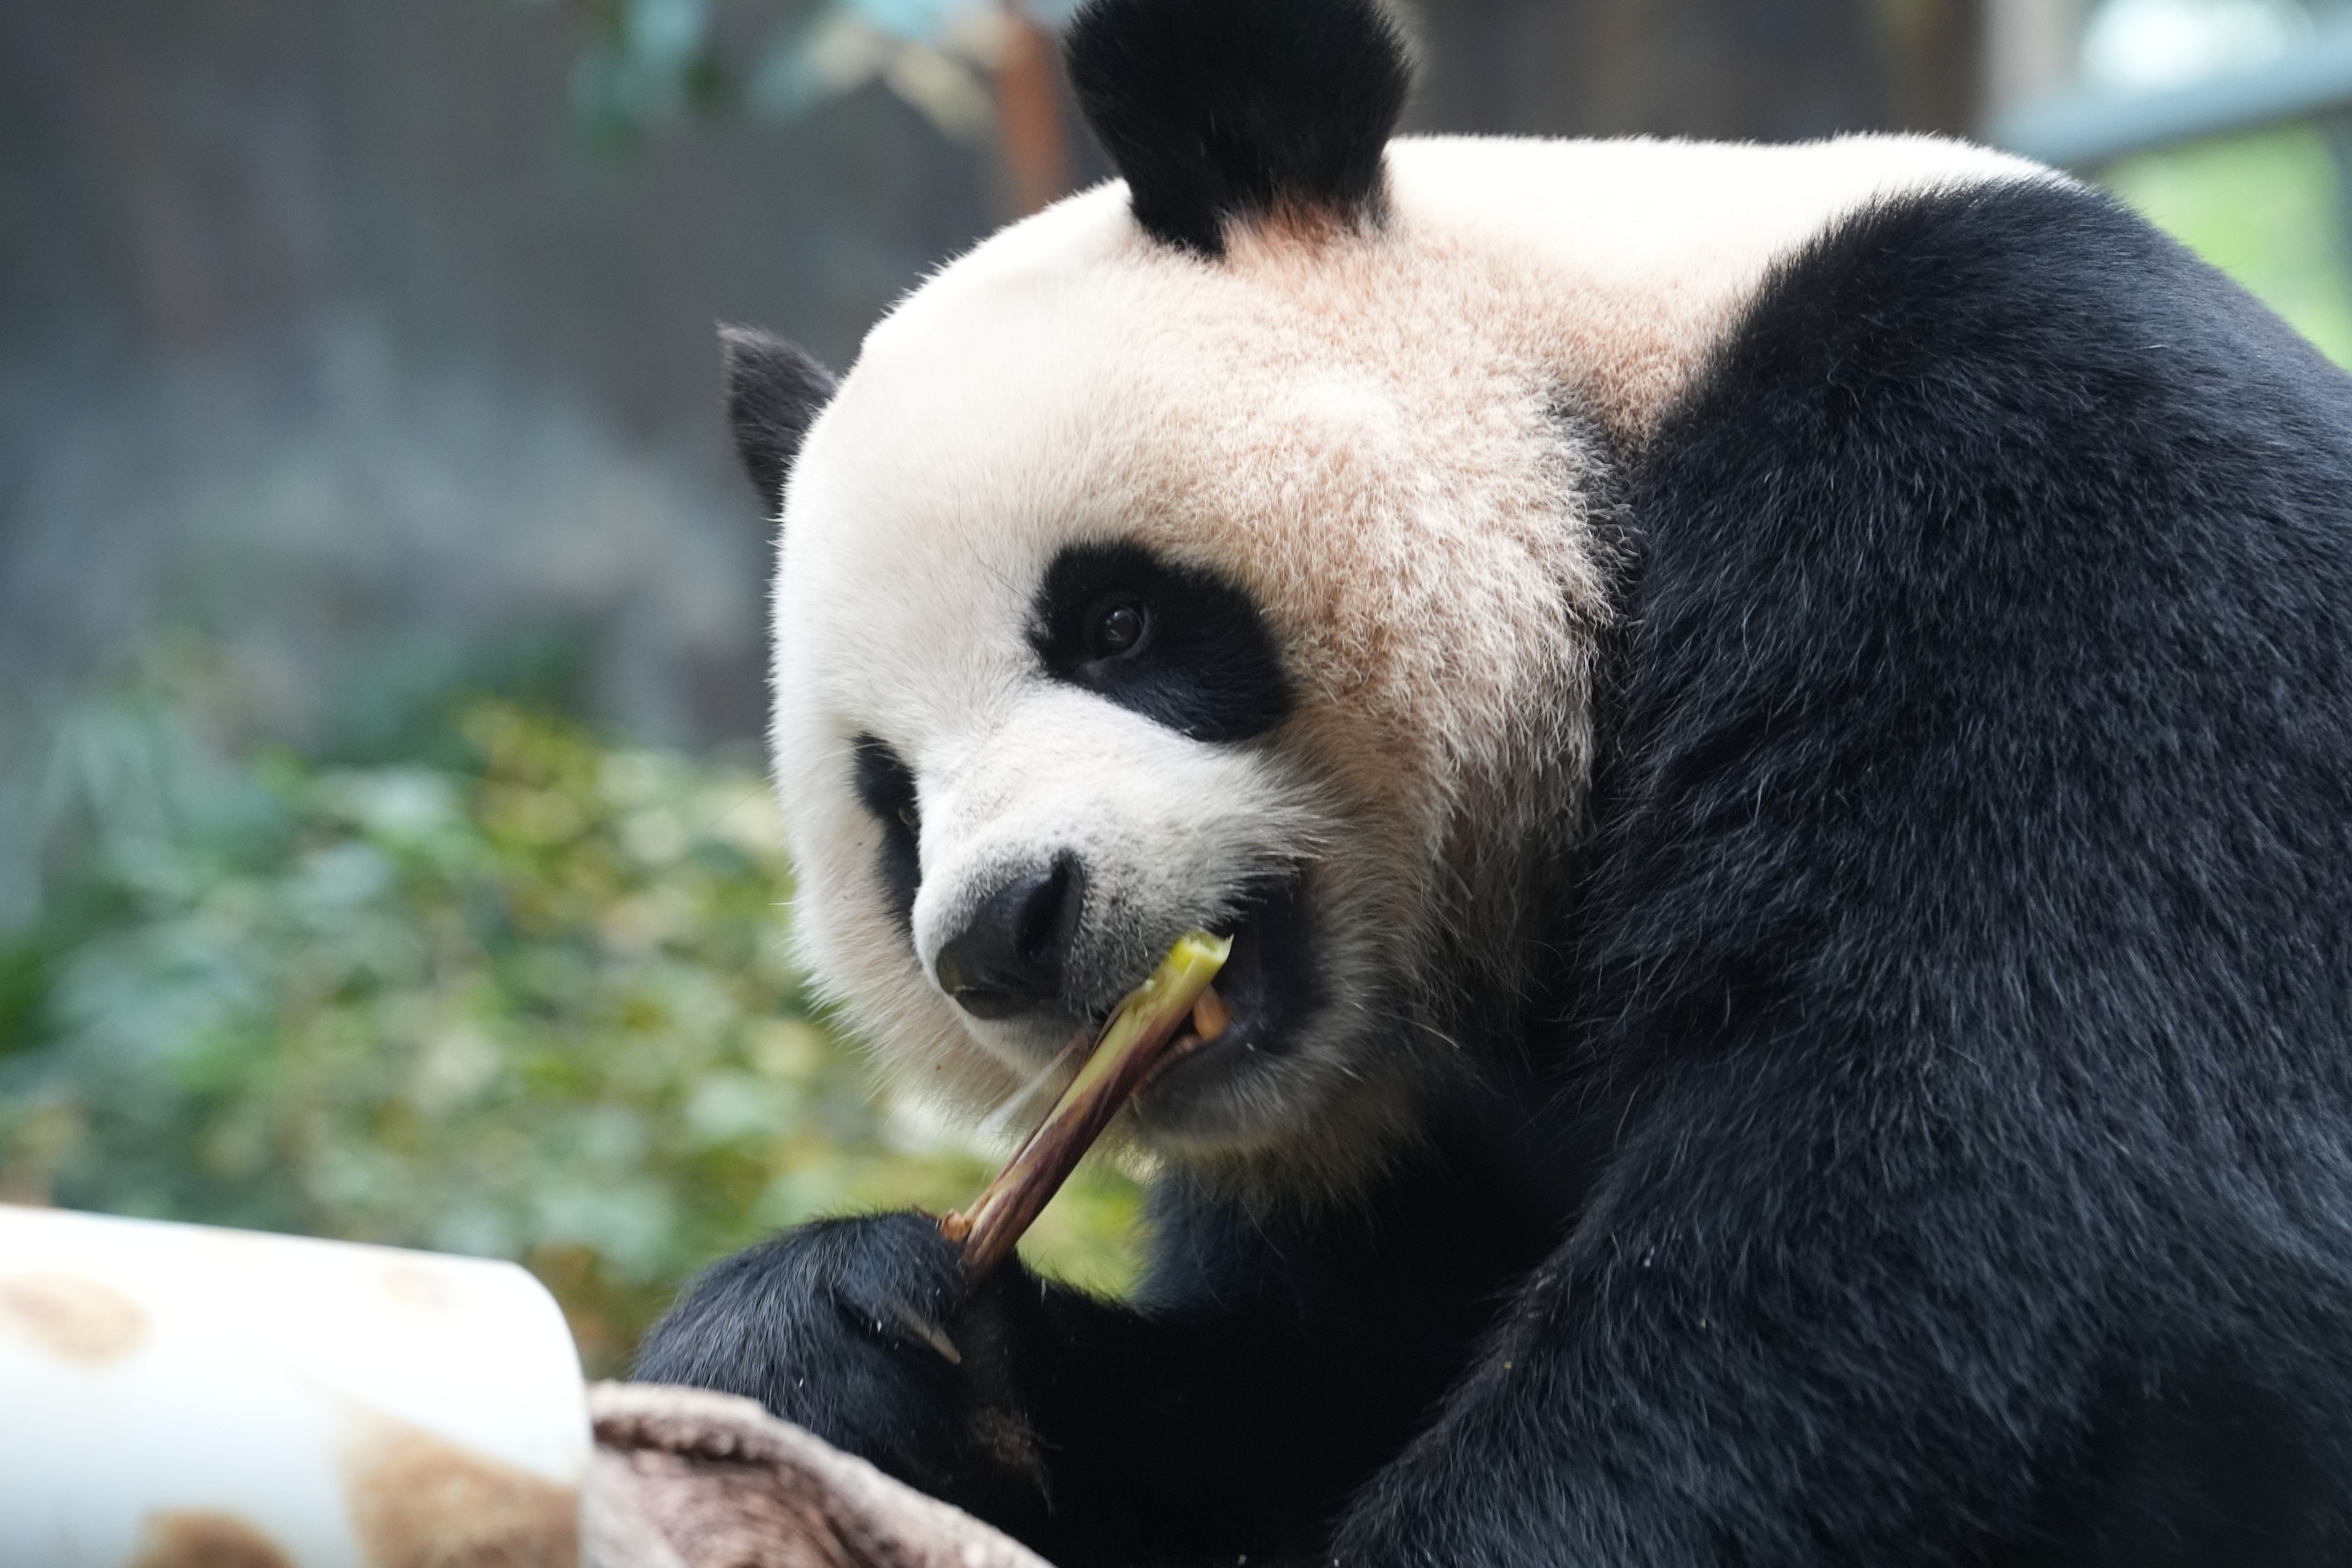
x=1398, y=439
x=1615, y=264
x=1629, y=258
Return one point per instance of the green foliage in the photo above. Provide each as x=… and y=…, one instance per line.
x=647, y=64
x=539, y=1005
x=2267, y=210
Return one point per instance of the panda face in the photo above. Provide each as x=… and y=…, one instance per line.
x=1125, y=591
x=1122, y=594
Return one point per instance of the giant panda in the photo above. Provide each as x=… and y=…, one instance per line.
x=1772, y=728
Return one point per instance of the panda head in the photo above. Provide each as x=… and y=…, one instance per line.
x=1173, y=561
x=1223, y=547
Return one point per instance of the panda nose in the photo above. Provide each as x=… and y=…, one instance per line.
x=1008, y=958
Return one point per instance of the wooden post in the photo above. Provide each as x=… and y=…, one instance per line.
x=1029, y=115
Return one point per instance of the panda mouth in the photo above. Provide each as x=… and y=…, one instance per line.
x=1267, y=985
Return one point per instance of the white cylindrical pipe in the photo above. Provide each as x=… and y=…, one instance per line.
x=172, y=1394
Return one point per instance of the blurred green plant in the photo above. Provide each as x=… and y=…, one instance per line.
x=537, y=1003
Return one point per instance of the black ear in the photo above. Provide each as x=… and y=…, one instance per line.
x=1215, y=109
x=774, y=392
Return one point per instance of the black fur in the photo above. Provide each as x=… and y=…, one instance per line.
x=774, y=393
x=1206, y=666
x=883, y=1297
x=1218, y=109
x=885, y=786
x=1966, y=943
x=1946, y=1157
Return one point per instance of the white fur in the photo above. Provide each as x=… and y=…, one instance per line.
x=1365, y=431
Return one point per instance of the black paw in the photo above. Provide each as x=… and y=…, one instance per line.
x=868, y=1333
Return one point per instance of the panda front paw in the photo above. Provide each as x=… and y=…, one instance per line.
x=868, y=1333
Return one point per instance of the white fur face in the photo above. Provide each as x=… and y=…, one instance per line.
x=1389, y=445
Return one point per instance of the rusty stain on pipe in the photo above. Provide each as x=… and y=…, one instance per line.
x=420, y=1501
x=189, y=1538
x=70, y=1317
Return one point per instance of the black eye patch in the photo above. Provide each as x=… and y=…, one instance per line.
x=1180, y=645
x=885, y=787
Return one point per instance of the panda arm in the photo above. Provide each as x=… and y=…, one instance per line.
x=1980, y=808
x=1271, y=1364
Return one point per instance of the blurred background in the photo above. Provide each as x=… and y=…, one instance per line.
x=383, y=847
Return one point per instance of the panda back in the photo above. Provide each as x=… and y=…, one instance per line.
x=1984, y=710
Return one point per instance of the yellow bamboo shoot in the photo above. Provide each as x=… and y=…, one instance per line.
x=1131, y=1047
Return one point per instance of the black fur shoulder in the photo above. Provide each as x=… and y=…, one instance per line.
x=1970, y=905
x=1997, y=590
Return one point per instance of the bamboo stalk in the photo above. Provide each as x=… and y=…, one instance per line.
x=1132, y=1045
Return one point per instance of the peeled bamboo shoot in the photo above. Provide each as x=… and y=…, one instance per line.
x=1131, y=1047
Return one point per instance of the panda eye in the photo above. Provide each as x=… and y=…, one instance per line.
x=1116, y=626
x=911, y=817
